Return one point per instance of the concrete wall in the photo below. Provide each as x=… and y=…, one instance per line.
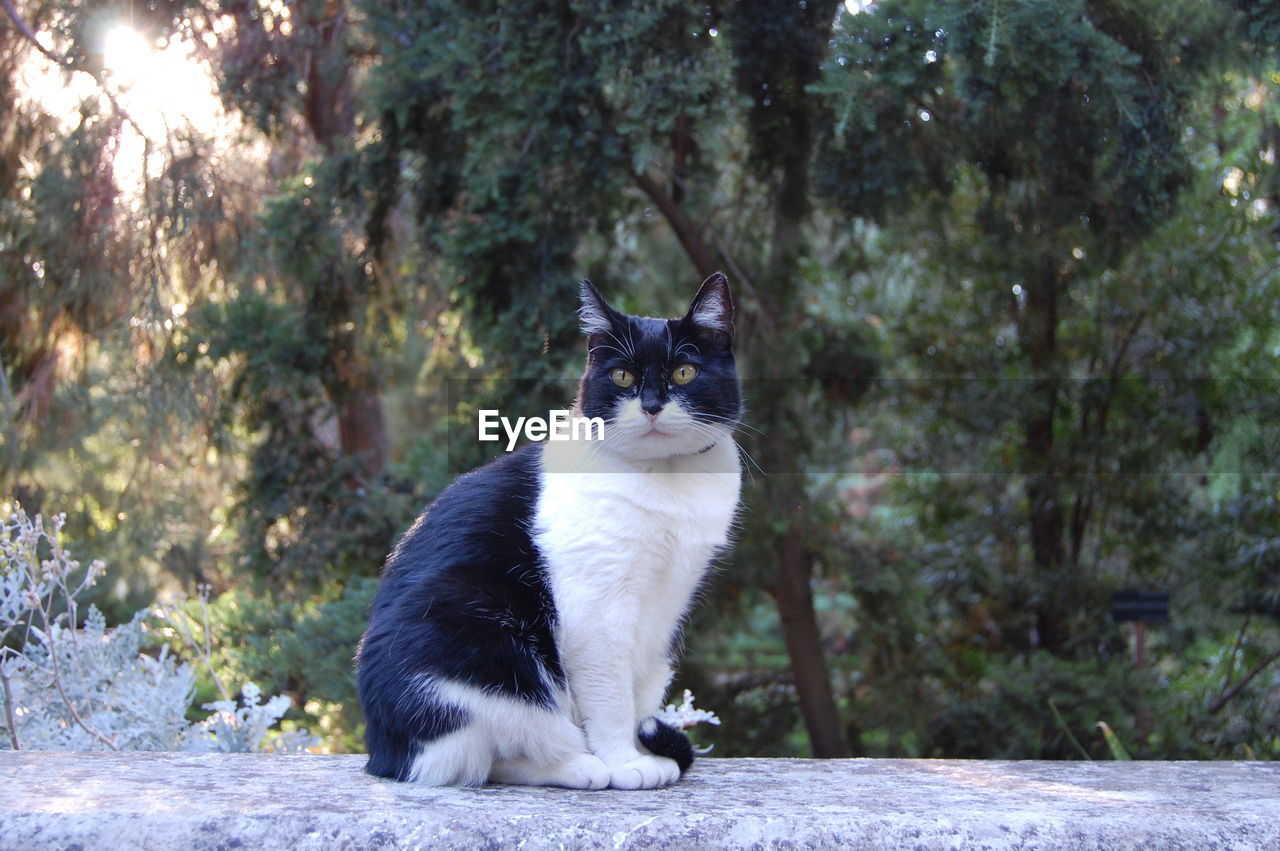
x=118, y=801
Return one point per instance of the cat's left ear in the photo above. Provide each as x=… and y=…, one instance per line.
x=712, y=308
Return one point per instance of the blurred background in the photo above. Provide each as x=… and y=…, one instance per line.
x=1008, y=303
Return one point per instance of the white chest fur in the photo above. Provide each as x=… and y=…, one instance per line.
x=626, y=545
x=614, y=528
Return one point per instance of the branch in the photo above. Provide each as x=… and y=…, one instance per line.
x=1235, y=648
x=24, y=29
x=203, y=648
x=57, y=683
x=740, y=277
x=11, y=723
x=705, y=258
x=1239, y=687
x=49, y=638
x=688, y=233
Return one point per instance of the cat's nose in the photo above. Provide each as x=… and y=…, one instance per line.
x=651, y=402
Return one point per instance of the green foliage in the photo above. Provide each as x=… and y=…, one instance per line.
x=1050, y=102
x=299, y=649
x=308, y=515
x=737, y=666
x=1014, y=703
x=1064, y=277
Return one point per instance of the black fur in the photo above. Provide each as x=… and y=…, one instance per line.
x=664, y=740
x=464, y=597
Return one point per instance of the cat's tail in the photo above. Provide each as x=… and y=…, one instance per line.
x=664, y=740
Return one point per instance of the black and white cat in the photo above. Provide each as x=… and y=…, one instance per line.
x=525, y=625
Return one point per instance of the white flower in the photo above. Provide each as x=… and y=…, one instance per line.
x=685, y=715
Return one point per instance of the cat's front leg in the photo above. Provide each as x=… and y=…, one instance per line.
x=601, y=680
x=651, y=686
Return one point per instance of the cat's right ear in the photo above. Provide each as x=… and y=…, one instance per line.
x=595, y=315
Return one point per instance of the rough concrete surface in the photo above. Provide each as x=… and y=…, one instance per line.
x=161, y=801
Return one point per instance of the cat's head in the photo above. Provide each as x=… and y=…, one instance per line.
x=664, y=387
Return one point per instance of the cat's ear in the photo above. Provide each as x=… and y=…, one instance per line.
x=712, y=308
x=595, y=316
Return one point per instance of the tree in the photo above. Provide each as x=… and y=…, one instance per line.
x=1069, y=156
x=93, y=273
x=296, y=68
x=557, y=122
x=1066, y=317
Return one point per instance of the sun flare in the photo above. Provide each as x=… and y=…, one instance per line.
x=163, y=89
x=126, y=55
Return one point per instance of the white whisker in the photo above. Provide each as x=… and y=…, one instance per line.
x=686, y=344
x=602, y=346
x=753, y=463
x=735, y=423
x=626, y=350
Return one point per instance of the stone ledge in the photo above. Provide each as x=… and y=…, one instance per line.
x=161, y=801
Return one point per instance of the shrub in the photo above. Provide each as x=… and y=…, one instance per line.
x=91, y=687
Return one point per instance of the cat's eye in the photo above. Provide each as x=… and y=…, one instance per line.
x=684, y=373
x=622, y=378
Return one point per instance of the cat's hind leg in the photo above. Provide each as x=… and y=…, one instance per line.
x=414, y=734
x=545, y=748
x=461, y=758
x=507, y=740
x=576, y=771
x=548, y=749
x=530, y=743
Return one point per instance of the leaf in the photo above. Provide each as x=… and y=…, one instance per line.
x=1113, y=742
x=1062, y=722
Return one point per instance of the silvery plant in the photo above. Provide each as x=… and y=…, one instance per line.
x=68, y=684
x=684, y=715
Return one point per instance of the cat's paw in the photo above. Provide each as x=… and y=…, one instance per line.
x=582, y=771
x=644, y=772
x=579, y=771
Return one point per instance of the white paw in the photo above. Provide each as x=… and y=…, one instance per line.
x=645, y=772
x=582, y=771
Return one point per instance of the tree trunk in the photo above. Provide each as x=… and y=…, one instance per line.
x=362, y=430
x=330, y=114
x=794, y=598
x=1046, y=523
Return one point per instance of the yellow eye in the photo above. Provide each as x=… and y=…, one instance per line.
x=622, y=378
x=684, y=374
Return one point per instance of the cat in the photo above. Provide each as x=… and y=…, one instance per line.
x=524, y=628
